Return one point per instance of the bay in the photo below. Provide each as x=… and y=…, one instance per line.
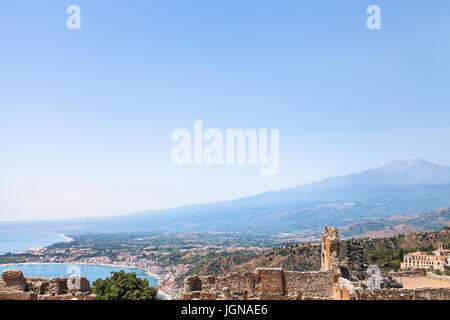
x=91, y=272
x=15, y=242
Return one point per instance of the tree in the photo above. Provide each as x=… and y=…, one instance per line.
x=124, y=286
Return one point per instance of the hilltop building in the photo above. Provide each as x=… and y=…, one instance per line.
x=419, y=260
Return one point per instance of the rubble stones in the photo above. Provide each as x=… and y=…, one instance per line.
x=14, y=286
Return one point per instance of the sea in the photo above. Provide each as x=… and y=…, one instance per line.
x=15, y=242
x=91, y=272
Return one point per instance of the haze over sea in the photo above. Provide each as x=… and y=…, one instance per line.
x=15, y=242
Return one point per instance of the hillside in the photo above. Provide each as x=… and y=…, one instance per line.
x=388, y=252
x=425, y=241
x=298, y=257
x=387, y=227
x=292, y=257
x=385, y=252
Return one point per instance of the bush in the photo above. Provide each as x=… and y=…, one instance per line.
x=124, y=286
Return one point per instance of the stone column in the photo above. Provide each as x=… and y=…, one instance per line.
x=330, y=249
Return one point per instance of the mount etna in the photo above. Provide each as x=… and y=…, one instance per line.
x=397, y=189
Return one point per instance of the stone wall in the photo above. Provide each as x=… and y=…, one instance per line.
x=14, y=286
x=410, y=274
x=406, y=294
x=232, y=286
x=311, y=285
x=263, y=284
x=344, y=289
x=445, y=279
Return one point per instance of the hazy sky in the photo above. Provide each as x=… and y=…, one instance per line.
x=86, y=115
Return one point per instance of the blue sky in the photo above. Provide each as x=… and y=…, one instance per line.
x=86, y=116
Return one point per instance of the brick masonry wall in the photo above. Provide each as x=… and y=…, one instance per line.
x=410, y=273
x=346, y=290
x=407, y=294
x=445, y=279
x=265, y=284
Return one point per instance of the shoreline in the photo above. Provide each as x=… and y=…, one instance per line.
x=62, y=235
x=153, y=275
x=68, y=239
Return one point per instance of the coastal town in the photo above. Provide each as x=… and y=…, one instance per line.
x=165, y=262
x=171, y=258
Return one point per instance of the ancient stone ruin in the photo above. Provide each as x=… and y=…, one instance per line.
x=14, y=286
x=333, y=282
x=330, y=249
x=344, y=289
x=263, y=284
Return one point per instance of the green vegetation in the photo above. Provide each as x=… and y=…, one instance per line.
x=388, y=252
x=299, y=257
x=434, y=220
x=446, y=272
x=168, y=248
x=8, y=258
x=212, y=263
x=124, y=286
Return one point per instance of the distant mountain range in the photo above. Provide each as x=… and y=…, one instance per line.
x=399, y=188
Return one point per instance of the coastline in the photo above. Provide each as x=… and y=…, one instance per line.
x=69, y=239
x=62, y=235
x=153, y=275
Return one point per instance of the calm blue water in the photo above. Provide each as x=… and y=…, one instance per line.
x=91, y=272
x=15, y=242
x=20, y=241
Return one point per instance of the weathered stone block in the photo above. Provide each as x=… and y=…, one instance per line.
x=58, y=286
x=208, y=296
x=192, y=283
x=13, y=280
x=68, y=296
x=91, y=297
x=272, y=282
x=187, y=296
x=49, y=297
x=330, y=249
x=37, y=285
x=17, y=295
